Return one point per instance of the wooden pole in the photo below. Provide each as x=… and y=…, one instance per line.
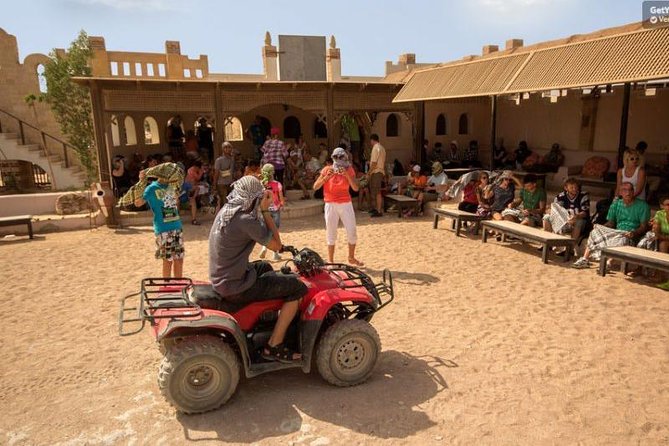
x=329, y=115
x=219, y=128
x=104, y=162
x=623, y=123
x=104, y=157
x=419, y=129
x=493, y=129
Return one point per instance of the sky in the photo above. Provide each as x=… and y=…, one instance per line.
x=368, y=32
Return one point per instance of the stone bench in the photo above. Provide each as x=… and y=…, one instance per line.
x=547, y=239
x=19, y=220
x=637, y=256
x=457, y=218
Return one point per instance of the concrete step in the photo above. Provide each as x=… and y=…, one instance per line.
x=8, y=135
x=298, y=209
x=295, y=194
x=302, y=208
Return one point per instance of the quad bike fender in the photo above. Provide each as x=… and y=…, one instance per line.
x=209, y=324
x=313, y=315
x=322, y=302
x=308, y=335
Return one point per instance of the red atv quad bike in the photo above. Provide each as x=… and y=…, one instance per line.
x=204, y=339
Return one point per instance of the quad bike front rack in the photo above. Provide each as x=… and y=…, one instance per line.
x=169, y=295
x=355, y=278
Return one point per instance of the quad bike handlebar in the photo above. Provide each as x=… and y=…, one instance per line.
x=289, y=248
x=307, y=261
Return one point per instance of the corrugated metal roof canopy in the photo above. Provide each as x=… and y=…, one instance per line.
x=484, y=77
x=629, y=57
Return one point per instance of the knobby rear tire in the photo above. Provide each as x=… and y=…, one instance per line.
x=198, y=374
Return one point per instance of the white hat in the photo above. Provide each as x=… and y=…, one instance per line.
x=416, y=168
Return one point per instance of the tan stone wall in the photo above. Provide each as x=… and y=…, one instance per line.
x=541, y=123
x=17, y=80
x=135, y=65
x=401, y=146
x=276, y=115
x=478, y=113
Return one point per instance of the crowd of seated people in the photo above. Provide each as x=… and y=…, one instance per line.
x=502, y=196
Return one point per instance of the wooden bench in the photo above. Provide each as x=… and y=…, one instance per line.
x=547, y=239
x=632, y=254
x=401, y=201
x=19, y=220
x=457, y=218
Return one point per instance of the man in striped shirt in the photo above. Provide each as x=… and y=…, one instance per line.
x=275, y=152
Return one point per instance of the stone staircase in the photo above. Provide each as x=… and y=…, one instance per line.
x=62, y=178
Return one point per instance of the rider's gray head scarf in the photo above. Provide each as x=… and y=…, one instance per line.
x=245, y=197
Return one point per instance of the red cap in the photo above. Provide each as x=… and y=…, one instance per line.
x=274, y=131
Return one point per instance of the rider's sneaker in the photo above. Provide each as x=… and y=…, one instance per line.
x=277, y=257
x=263, y=250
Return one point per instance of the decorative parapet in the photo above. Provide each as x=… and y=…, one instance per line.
x=333, y=61
x=406, y=61
x=132, y=65
x=270, y=57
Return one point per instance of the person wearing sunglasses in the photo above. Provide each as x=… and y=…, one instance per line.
x=632, y=172
x=336, y=181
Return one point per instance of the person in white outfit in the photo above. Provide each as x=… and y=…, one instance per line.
x=335, y=181
x=632, y=172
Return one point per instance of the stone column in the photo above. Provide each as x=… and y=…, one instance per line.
x=100, y=60
x=333, y=61
x=269, y=59
x=174, y=66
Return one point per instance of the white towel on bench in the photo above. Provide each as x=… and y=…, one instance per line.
x=602, y=237
x=558, y=218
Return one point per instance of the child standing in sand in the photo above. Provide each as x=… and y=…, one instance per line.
x=278, y=201
x=162, y=196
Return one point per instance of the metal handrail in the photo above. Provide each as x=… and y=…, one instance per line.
x=43, y=134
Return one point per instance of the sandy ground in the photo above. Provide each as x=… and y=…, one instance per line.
x=483, y=345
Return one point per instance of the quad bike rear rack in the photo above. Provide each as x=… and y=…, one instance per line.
x=170, y=295
x=355, y=278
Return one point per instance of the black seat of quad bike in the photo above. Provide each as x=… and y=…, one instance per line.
x=206, y=297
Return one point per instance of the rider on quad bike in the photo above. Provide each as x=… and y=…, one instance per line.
x=236, y=230
x=245, y=320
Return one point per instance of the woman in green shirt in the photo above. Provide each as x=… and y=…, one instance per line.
x=661, y=230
